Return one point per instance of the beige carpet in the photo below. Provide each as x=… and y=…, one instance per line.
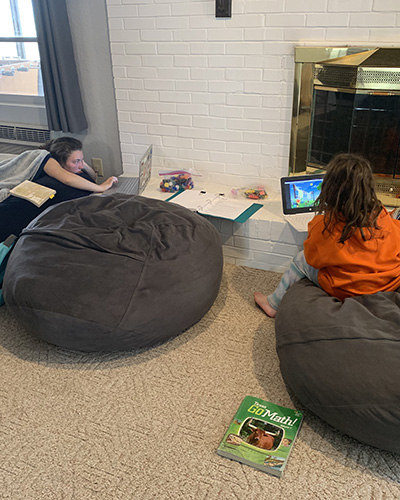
x=145, y=425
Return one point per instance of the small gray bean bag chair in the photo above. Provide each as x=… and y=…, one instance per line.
x=113, y=272
x=342, y=360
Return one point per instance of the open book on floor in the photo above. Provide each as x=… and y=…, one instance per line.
x=33, y=192
x=261, y=435
x=215, y=204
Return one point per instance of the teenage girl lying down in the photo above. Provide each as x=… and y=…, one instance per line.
x=60, y=166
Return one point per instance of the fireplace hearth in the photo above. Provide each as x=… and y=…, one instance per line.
x=347, y=99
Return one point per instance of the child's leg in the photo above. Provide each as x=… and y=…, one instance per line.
x=298, y=269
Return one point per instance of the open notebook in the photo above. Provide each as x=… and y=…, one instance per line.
x=215, y=205
x=299, y=195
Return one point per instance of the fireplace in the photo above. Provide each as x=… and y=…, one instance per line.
x=347, y=99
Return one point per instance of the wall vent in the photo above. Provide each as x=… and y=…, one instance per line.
x=15, y=139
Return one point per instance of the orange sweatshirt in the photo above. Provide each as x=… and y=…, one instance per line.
x=356, y=267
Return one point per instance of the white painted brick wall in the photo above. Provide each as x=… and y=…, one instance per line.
x=265, y=241
x=216, y=94
x=259, y=243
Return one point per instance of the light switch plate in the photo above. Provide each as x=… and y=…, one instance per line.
x=223, y=8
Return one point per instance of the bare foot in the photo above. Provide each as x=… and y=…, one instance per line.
x=262, y=301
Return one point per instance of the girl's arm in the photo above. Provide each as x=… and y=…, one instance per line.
x=54, y=169
x=89, y=170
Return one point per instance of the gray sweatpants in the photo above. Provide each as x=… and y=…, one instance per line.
x=298, y=270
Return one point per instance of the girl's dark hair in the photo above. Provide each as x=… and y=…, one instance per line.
x=62, y=148
x=348, y=196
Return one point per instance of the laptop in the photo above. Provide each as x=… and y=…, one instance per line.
x=299, y=195
x=135, y=185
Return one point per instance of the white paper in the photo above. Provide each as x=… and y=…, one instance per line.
x=214, y=204
x=225, y=208
x=194, y=199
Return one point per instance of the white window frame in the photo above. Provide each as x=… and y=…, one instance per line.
x=22, y=109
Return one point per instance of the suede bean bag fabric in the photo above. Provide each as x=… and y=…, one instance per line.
x=342, y=360
x=113, y=272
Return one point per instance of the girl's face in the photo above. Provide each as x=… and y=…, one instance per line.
x=74, y=163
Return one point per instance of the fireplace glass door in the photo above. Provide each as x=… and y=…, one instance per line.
x=367, y=123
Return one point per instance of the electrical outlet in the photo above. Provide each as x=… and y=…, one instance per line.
x=97, y=165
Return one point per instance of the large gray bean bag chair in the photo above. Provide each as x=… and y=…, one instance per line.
x=113, y=272
x=342, y=360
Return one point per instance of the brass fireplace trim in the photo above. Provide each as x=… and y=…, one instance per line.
x=363, y=68
x=377, y=70
x=306, y=58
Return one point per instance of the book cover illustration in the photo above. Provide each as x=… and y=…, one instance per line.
x=33, y=192
x=261, y=435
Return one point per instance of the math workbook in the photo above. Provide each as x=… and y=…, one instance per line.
x=261, y=435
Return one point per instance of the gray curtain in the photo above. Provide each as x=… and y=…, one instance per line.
x=63, y=98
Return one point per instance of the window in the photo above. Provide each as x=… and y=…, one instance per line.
x=21, y=86
x=19, y=54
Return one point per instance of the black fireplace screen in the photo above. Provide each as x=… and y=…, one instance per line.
x=367, y=124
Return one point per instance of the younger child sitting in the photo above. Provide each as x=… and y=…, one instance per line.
x=353, y=244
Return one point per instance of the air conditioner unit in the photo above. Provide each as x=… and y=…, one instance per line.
x=15, y=139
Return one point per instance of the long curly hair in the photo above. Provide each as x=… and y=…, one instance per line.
x=62, y=147
x=348, y=196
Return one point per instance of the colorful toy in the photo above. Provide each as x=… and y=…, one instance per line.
x=255, y=194
x=175, y=183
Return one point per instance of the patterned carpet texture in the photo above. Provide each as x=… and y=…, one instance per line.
x=146, y=424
